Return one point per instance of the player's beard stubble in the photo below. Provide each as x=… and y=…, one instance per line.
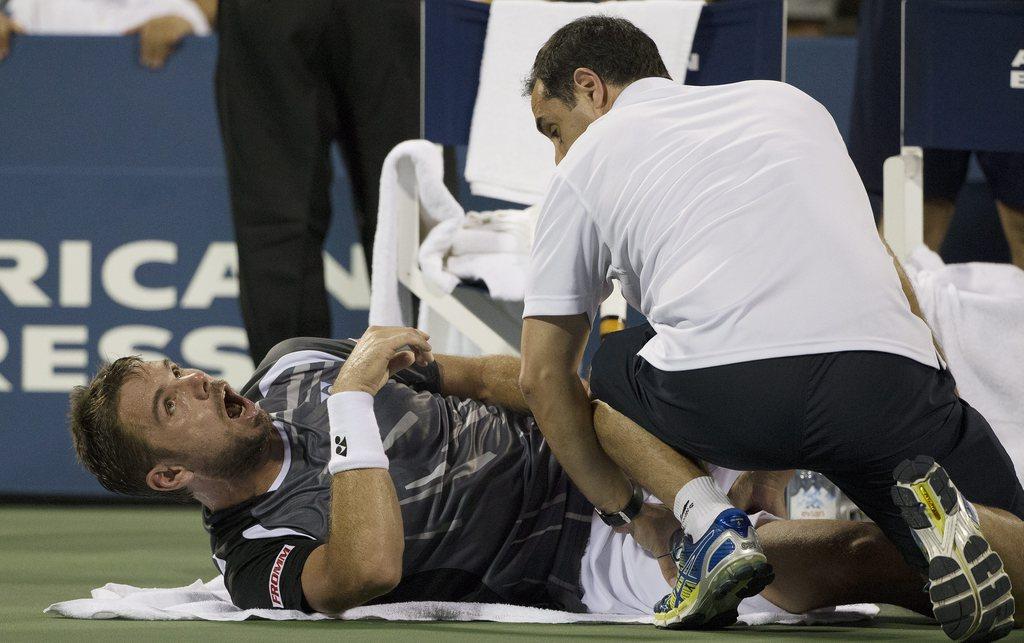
x=244, y=454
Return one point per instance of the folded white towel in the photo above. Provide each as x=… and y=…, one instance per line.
x=493, y=247
x=507, y=158
x=210, y=602
x=503, y=273
x=496, y=231
x=977, y=313
x=101, y=17
x=389, y=304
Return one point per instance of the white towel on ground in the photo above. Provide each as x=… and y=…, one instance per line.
x=389, y=304
x=101, y=17
x=210, y=602
x=507, y=158
x=977, y=313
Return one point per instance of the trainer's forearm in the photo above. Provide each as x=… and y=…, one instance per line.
x=493, y=379
x=563, y=413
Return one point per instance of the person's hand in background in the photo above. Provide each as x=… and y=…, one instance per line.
x=7, y=29
x=158, y=38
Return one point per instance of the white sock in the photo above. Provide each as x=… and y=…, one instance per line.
x=697, y=505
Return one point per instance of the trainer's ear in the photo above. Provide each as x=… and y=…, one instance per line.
x=589, y=86
x=168, y=477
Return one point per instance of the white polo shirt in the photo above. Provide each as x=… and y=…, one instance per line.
x=734, y=220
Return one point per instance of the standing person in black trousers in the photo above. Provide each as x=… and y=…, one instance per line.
x=292, y=78
x=875, y=136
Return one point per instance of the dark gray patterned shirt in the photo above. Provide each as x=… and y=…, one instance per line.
x=489, y=514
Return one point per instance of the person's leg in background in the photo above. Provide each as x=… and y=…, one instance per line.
x=271, y=98
x=375, y=66
x=944, y=174
x=1004, y=172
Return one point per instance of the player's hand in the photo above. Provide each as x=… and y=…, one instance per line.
x=380, y=353
x=159, y=37
x=7, y=29
x=756, y=491
x=652, y=529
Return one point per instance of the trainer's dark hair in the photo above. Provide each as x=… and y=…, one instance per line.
x=111, y=450
x=616, y=49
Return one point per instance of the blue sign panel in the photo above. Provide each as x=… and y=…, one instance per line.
x=964, y=71
x=116, y=237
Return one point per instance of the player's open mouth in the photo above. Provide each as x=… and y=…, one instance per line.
x=237, y=406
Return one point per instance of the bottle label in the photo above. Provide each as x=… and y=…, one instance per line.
x=816, y=503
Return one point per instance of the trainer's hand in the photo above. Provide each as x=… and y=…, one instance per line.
x=159, y=37
x=652, y=529
x=756, y=491
x=380, y=353
x=7, y=28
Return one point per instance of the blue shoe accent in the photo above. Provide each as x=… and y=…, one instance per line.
x=723, y=567
x=723, y=550
x=734, y=519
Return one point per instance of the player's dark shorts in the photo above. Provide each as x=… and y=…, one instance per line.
x=852, y=416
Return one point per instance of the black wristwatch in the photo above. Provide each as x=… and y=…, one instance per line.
x=625, y=515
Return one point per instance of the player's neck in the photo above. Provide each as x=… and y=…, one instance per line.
x=216, y=494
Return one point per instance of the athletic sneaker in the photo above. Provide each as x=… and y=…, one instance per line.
x=722, y=568
x=969, y=590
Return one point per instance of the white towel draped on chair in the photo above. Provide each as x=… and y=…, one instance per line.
x=507, y=158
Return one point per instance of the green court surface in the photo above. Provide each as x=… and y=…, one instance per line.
x=54, y=553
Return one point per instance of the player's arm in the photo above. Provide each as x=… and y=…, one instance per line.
x=493, y=379
x=362, y=558
x=552, y=350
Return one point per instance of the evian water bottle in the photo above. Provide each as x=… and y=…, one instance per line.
x=811, y=495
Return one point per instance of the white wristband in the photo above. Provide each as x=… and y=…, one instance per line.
x=355, y=437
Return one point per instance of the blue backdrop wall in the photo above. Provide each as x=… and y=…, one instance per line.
x=116, y=237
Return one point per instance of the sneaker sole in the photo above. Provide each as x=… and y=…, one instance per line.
x=737, y=579
x=969, y=590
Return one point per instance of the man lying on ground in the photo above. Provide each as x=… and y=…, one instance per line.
x=328, y=485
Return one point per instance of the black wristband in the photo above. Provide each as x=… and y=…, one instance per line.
x=625, y=515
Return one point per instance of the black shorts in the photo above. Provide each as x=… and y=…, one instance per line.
x=852, y=416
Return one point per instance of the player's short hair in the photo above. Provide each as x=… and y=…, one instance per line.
x=616, y=49
x=110, y=449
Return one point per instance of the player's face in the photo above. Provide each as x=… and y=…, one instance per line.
x=561, y=124
x=183, y=411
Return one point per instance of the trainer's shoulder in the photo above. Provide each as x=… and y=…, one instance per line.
x=767, y=93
